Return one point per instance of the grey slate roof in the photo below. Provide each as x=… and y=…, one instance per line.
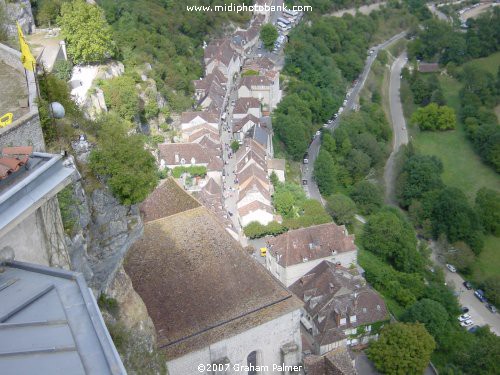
x=50, y=324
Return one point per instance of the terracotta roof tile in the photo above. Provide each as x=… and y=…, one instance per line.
x=244, y=104
x=209, y=117
x=313, y=242
x=254, y=206
x=186, y=153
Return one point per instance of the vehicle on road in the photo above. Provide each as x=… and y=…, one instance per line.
x=306, y=158
x=451, y=268
x=492, y=308
x=341, y=109
x=345, y=102
x=325, y=125
x=304, y=182
x=480, y=295
x=318, y=133
x=336, y=115
x=329, y=121
x=464, y=309
x=263, y=251
x=463, y=317
x=468, y=285
x=467, y=323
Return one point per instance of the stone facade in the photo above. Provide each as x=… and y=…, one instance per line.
x=276, y=342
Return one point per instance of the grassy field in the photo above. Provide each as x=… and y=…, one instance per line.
x=462, y=166
x=489, y=63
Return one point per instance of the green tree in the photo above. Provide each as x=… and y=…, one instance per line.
x=284, y=203
x=235, y=145
x=388, y=235
x=431, y=313
x=491, y=287
x=129, y=169
x=488, y=210
x=268, y=35
x=86, y=32
x=434, y=117
x=47, y=12
x=461, y=256
x=367, y=196
x=420, y=174
x=402, y=349
x=324, y=172
x=121, y=96
x=452, y=215
x=342, y=208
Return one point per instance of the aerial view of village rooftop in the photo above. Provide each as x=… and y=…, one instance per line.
x=254, y=187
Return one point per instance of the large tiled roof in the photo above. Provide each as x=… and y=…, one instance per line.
x=175, y=153
x=167, y=199
x=332, y=292
x=261, y=65
x=252, y=171
x=244, y=104
x=254, y=206
x=316, y=242
x=203, y=130
x=243, y=121
x=181, y=268
x=251, y=81
x=220, y=50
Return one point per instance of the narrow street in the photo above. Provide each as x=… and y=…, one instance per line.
x=400, y=132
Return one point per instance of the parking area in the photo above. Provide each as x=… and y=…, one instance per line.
x=478, y=311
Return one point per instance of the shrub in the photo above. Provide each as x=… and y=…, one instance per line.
x=196, y=171
x=62, y=69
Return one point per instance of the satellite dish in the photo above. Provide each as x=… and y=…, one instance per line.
x=57, y=110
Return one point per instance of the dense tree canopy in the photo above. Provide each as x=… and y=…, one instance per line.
x=129, y=169
x=452, y=215
x=268, y=35
x=402, y=349
x=431, y=313
x=121, y=96
x=86, y=32
x=420, y=174
x=488, y=210
x=367, y=196
x=388, y=235
x=434, y=117
x=342, y=208
x=323, y=172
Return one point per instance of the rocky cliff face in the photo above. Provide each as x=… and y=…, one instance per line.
x=19, y=11
x=103, y=232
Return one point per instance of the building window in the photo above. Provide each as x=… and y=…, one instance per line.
x=252, y=363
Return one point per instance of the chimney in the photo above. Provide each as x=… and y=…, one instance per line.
x=176, y=157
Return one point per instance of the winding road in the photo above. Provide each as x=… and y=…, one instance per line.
x=398, y=126
x=313, y=150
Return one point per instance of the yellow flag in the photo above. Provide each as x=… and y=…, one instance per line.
x=26, y=57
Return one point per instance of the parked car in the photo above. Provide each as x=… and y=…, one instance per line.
x=451, y=268
x=318, y=133
x=468, y=285
x=467, y=323
x=464, y=309
x=480, y=295
x=492, y=308
x=464, y=317
x=473, y=329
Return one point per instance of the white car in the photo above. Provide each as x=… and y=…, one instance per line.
x=467, y=323
x=345, y=102
x=464, y=317
x=318, y=133
x=451, y=268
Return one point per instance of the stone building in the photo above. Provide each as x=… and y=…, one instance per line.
x=181, y=269
x=293, y=254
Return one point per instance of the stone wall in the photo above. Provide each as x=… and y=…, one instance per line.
x=269, y=340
